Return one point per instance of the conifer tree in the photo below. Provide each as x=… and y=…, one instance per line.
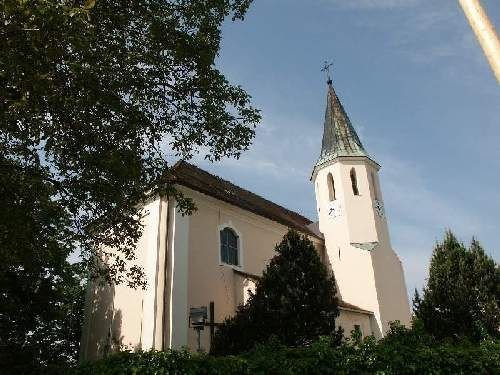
x=462, y=295
x=294, y=302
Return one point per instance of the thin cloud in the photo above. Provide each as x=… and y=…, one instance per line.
x=374, y=4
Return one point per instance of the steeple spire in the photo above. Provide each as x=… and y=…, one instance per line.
x=339, y=136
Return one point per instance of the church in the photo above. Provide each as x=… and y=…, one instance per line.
x=215, y=256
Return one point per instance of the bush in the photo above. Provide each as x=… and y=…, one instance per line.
x=168, y=362
x=403, y=351
x=294, y=301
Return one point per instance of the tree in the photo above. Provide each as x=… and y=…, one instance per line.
x=41, y=299
x=462, y=295
x=97, y=94
x=95, y=97
x=294, y=301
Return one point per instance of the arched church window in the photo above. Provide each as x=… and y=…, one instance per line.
x=374, y=184
x=354, y=182
x=229, y=247
x=331, y=187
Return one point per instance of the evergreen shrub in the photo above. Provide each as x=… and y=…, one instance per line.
x=403, y=351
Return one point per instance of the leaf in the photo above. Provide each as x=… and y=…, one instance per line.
x=89, y=4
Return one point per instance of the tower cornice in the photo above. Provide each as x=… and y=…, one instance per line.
x=337, y=159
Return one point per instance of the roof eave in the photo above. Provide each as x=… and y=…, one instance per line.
x=321, y=164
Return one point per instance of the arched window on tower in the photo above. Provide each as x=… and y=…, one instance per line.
x=331, y=187
x=374, y=184
x=354, y=182
x=318, y=196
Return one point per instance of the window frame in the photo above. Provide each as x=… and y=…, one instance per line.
x=330, y=181
x=354, y=182
x=239, y=251
x=374, y=185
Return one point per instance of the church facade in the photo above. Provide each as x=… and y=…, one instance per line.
x=218, y=253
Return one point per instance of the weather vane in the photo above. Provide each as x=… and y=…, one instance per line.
x=326, y=69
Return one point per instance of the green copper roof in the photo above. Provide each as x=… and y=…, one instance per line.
x=339, y=136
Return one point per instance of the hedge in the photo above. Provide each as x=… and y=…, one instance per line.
x=403, y=354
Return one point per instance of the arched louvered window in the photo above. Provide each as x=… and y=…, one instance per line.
x=374, y=184
x=354, y=182
x=331, y=187
x=229, y=247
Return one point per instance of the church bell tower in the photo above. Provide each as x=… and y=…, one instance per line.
x=351, y=215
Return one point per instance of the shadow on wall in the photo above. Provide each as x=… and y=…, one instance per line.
x=328, y=264
x=374, y=328
x=102, y=333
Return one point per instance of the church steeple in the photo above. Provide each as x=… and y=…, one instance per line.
x=339, y=136
x=352, y=220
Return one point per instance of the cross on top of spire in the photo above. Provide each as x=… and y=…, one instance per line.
x=326, y=68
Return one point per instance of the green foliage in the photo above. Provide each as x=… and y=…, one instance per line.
x=462, y=295
x=41, y=299
x=92, y=92
x=402, y=352
x=295, y=302
x=415, y=350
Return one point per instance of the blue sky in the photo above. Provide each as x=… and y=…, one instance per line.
x=418, y=91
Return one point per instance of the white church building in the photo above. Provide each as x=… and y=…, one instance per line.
x=217, y=253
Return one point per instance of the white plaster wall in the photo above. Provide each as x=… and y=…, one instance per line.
x=161, y=274
x=149, y=248
x=388, y=270
x=187, y=261
x=372, y=280
x=98, y=318
x=348, y=319
x=209, y=279
x=352, y=266
x=179, y=269
x=117, y=315
x=391, y=287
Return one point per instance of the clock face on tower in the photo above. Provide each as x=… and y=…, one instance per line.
x=379, y=208
x=334, y=209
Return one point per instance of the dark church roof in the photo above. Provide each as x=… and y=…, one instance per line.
x=197, y=179
x=339, y=137
x=314, y=227
x=350, y=306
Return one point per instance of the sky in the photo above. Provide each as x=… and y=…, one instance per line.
x=418, y=90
